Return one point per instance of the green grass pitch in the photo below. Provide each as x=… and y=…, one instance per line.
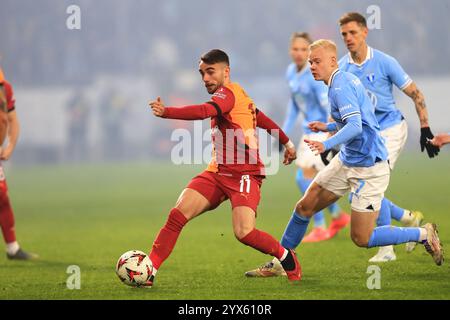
x=88, y=215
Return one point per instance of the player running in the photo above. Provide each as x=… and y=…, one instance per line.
x=9, y=125
x=379, y=72
x=235, y=171
x=361, y=164
x=360, y=167
x=310, y=98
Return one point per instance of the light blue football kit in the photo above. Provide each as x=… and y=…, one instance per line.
x=362, y=160
x=379, y=73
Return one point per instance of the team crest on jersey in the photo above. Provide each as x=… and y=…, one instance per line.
x=370, y=77
x=220, y=94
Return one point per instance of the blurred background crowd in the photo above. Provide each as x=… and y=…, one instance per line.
x=82, y=94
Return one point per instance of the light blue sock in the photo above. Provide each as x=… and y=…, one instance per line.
x=384, y=218
x=388, y=235
x=335, y=210
x=396, y=211
x=302, y=182
x=319, y=220
x=295, y=231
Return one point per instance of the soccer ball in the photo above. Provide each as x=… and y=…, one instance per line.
x=134, y=268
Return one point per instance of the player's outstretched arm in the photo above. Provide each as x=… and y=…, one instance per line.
x=222, y=101
x=425, y=132
x=352, y=127
x=193, y=112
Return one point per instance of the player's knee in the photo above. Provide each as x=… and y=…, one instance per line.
x=187, y=212
x=361, y=240
x=304, y=208
x=241, y=231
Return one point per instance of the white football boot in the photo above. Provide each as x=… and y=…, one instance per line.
x=385, y=254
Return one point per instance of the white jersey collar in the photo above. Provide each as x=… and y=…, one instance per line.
x=368, y=57
x=330, y=80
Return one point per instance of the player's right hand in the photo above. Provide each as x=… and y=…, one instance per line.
x=317, y=126
x=157, y=107
x=425, y=137
x=316, y=147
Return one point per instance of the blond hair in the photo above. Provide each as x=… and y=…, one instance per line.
x=324, y=43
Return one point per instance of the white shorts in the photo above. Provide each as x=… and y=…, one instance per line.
x=395, y=139
x=367, y=184
x=305, y=157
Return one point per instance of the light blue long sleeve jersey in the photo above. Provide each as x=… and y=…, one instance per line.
x=378, y=73
x=357, y=126
x=308, y=96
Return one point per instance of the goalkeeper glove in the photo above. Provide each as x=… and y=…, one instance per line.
x=425, y=137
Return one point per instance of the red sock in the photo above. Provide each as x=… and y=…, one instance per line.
x=6, y=217
x=167, y=237
x=263, y=242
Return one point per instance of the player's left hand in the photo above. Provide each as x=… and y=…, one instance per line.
x=290, y=154
x=5, y=153
x=315, y=146
x=157, y=107
x=425, y=137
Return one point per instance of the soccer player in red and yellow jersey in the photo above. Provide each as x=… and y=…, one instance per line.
x=236, y=172
x=9, y=127
x=3, y=111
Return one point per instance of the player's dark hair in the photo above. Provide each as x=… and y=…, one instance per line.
x=303, y=35
x=215, y=56
x=353, y=17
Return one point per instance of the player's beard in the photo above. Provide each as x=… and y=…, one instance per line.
x=213, y=87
